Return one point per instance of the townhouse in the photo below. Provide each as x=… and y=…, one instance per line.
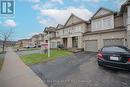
x=23, y=42
x=105, y=27
x=69, y=35
x=38, y=39
x=51, y=34
x=108, y=28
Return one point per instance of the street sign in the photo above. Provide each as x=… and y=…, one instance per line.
x=44, y=45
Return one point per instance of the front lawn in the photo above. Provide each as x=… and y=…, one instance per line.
x=38, y=58
x=26, y=49
x=29, y=49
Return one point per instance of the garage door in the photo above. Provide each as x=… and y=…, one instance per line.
x=108, y=42
x=91, y=45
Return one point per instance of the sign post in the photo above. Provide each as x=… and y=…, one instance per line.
x=48, y=44
x=46, y=48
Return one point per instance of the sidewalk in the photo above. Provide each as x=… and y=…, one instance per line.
x=15, y=73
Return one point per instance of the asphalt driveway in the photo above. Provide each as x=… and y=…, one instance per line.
x=80, y=70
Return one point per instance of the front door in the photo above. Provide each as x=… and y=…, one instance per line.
x=75, y=42
x=65, y=42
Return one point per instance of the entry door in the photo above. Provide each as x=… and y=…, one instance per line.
x=75, y=42
x=65, y=42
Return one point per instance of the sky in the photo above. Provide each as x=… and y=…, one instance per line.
x=32, y=16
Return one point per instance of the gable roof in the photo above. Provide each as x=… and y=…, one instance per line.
x=72, y=15
x=128, y=1
x=102, y=8
x=59, y=26
x=124, y=5
x=49, y=29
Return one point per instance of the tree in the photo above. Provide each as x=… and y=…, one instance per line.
x=4, y=36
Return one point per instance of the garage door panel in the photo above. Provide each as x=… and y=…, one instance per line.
x=91, y=45
x=108, y=42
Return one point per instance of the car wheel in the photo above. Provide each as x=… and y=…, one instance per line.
x=99, y=64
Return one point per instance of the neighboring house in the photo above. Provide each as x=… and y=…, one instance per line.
x=71, y=34
x=19, y=43
x=23, y=42
x=40, y=38
x=51, y=34
x=125, y=11
x=48, y=33
x=35, y=40
x=106, y=29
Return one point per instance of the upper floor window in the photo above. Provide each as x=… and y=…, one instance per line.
x=103, y=23
x=98, y=24
x=57, y=33
x=107, y=22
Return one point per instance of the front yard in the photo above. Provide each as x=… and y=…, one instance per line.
x=25, y=49
x=36, y=58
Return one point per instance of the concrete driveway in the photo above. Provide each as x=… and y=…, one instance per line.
x=80, y=70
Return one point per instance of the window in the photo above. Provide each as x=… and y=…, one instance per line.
x=107, y=23
x=97, y=24
x=75, y=42
x=58, y=43
x=103, y=23
x=66, y=31
x=57, y=33
x=61, y=32
x=77, y=29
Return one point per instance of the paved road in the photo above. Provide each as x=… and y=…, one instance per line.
x=80, y=70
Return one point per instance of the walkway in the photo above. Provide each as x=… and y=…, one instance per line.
x=15, y=73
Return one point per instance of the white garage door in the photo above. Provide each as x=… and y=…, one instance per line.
x=108, y=42
x=91, y=45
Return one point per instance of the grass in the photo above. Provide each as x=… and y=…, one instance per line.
x=25, y=49
x=38, y=58
x=1, y=63
x=29, y=49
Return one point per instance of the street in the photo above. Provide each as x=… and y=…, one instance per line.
x=80, y=70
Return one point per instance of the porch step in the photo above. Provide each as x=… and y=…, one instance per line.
x=75, y=50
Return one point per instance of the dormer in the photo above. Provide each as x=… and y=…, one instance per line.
x=59, y=26
x=73, y=19
x=102, y=12
x=103, y=19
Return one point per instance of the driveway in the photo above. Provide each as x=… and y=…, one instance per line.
x=80, y=70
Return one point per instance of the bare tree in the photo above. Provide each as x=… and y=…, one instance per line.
x=4, y=36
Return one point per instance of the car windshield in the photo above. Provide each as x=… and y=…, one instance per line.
x=115, y=49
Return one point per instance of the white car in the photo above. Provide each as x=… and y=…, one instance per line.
x=30, y=46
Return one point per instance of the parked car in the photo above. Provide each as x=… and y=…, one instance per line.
x=114, y=57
